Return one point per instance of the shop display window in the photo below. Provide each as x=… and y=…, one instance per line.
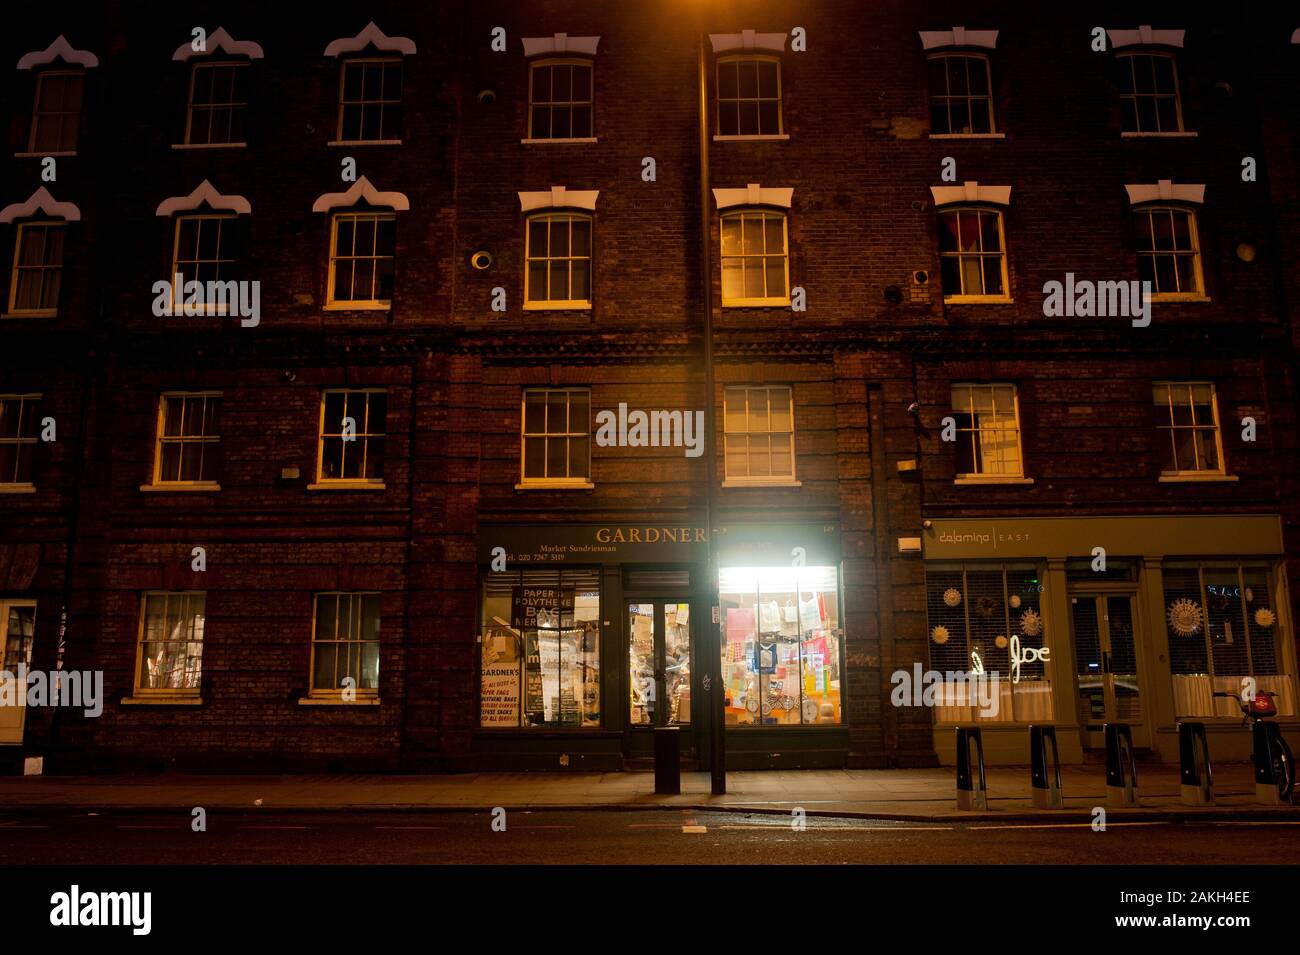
x=973, y=612
x=540, y=635
x=781, y=653
x=1224, y=628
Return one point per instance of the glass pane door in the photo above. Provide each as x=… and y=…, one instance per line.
x=1105, y=653
x=643, y=660
x=659, y=663
x=677, y=662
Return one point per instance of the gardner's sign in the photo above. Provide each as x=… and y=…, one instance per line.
x=594, y=543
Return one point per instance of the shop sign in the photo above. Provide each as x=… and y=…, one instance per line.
x=594, y=543
x=778, y=545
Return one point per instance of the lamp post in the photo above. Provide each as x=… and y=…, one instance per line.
x=715, y=692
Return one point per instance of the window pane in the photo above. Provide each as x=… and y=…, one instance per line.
x=748, y=70
x=948, y=232
x=971, y=280
x=775, y=277
x=537, y=237
x=767, y=79
x=753, y=278
x=733, y=283
x=534, y=457
x=728, y=87
x=581, y=237
x=582, y=128
x=537, y=281
x=557, y=457
x=748, y=112
x=957, y=85
x=769, y=122
x=992, y=275
x=581, y=83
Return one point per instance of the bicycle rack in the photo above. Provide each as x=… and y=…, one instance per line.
x=1047, y=791
x=1194, y=765
x=1266, y=737
x=1121, y=769
x=968, y=795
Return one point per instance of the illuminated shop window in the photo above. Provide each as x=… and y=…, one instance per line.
x=1224, y=626
x=540, y=634
x=170, y=648
x=974, y=612
x=781, y=656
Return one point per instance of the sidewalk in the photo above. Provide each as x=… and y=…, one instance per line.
x=900, y=794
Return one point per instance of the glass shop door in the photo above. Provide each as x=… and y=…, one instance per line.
x=659, y=671
x=1105, y=653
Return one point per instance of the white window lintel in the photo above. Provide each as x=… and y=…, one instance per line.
x=205, y=192
x=219, y=39
x=754, y=195
x=560, y=43
x=40, y=201
x=747, y=40
x=958, y=36
x=1145, y=36
x=971, y=192
x=558, y=197
x=361, y=189
x=60, y=49
x=371, y=35
x=1166, y=191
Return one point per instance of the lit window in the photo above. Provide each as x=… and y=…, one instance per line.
x=559, y=261
x=961, y=95
x=1148, y=92
x=201, y=251
x=18, y=429
x=755, y=258
x=38, y=269
x=556, y=436
x=188, y=442
x=57, y=112
x=362, y=256
x=352, y=436
x=1188, y=413
x=17, y=635
x=1168, y=251
x=345, y=645
x=560, y=100
x=759, y=434
x=171, y=644
x=988, y=431
x=218, y=99
x=370, y=101
x=749, y=96
x=972, y=254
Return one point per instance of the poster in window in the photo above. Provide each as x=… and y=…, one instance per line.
x=499, y=686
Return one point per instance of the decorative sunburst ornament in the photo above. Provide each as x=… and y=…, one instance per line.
x=1184, y=617
x=952, y=597
x=1265, y=617
x=1000, y=641
x=939, y=635
x=1031, y=624
x=1015, y=601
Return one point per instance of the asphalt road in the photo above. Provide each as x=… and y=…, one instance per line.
x=640, y=838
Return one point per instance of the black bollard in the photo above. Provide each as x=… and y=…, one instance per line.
x=668, y=761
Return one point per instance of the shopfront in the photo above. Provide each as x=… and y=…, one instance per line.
x=1093, y=620
x=592, y=635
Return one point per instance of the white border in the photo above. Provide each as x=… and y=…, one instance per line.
x=1165, y=191
x=205, y=192
x=560, y=43
x=371, y=34
x=42, y=201
x=971, y=192
x=753, y=195
x=59, y=49
x=361, y=189
x=219, y=39
x=558, y=197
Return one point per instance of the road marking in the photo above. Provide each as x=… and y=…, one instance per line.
x=652, y=825
x=1247, y=822
x=408, y=827
x=546, y=827
x=149, y=827
x=275, y=827
x=849, y=828
x=1070, y=825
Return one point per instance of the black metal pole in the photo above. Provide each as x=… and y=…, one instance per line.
x=716, y=693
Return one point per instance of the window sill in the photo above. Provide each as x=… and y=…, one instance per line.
x=557, y=306
x=1179, y=135
x=582, y=139
x=1197, y=478
x=162, y=700
x=971, y=480
x=977, y=300
x=968, y=135
x=347, y=486
x=34, y=313
x=555, y=486
x=358, y=306
x=57, y=155
x=769, y=138
x=364, y=142
x=756, y=303
x=198, y=486
x=737, y=482
x=1179, y=297
x=17, y=488
x=184, y=146
x=337, y=701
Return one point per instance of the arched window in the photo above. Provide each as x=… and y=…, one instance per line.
x=961, y=95
x=1148, y=92
x=560, y=99
x=559, y=254
x=1169, y=251
x=972, y=254
x=749, y=96
x=755, y=258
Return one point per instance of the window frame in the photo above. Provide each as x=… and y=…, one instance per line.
x=139, y=691
x=19, y=441
x=156, y=480
x=590, y=103
x=964, y=54
x=1193, y=233
x=363, y=435
x=545, y=482
x=965, y=298
x=178, y=288
x=989, y=477
x=1167, y=411
x=359, y=304
x=740, y=212
x=362, y=695
x=233, y=105
x=382, y=104
x=746, y=480
x=1177, y=95
x=41, y=76
x=49, y=312
x=572, y=304
x=747, y=56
